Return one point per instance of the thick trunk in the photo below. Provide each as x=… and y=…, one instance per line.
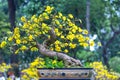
x=67, y=59
x=88, y=15
x=105, y=57
x=11, y=8
x=12, y=15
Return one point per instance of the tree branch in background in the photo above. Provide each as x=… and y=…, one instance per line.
x=88, y=15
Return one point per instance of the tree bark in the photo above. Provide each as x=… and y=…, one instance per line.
x=105, y=57
x=67, y=59
x=12, y=15
x=88, y=15
x=104, y=54
x=11, y=8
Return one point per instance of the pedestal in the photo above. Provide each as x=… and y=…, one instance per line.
x=66, y=74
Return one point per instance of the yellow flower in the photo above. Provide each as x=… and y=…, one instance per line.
x=57, y=22
x=87, y=38
x=23, y=19
x=34, y=49
x=70, y=16
x=23, y=48
x=35, y=20
x=73, y=30
x=16, y=30
x=16, y=52
x=54, y=62
x=44, y=25
x=70, y=37
x=33, y=64
x=45, y=14
x=102, y=72
x=24, y=41
x=49, y=9
x=66, y=51
x=25, y=25
x=85, y=44
x=57, y=42
x=10, y=38
x=92, y=43
x=72, y=45
x=81, y=38
x=17, y=36
x=62, y=37
x=30, y=37
x=18, y=41
x=56, y=30
x=80, y=30
x=63, y=18
x=24, y=76
x=60, y=14
x=99, y=44
x=51, y=49
x=57, y=48
x=85, y=32
x=66, y=44
x=46, y=17
x=3, y=44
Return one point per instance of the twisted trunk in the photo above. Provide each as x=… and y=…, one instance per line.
x=67, y=59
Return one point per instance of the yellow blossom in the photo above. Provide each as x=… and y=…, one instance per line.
x=24, y=41
x=72, y=45
x=57, y=42
x=33, y=64
x=16, y=30
x=85, y=32
x=34, y=49
x=80, y=30
x=70, y=16
x=99, y=44
x=62, y=37
x=10, y=38
x=102, y=72
x=54, y=62
x=49, y=9
x=63, y=18
x=85, y=44
x=57, y=48
x=66, y=51
x=60, y=14
x=30, y=37
x=18, y=41
x=16, y=52
x=23, y=19
x=51, y=49
x=66, y=44
x=35, y=20
x=23, y=48
x=87, y=38
x=57, y=22
x=3, y=44
x=91, y=43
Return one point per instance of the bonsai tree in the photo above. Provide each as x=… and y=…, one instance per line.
x=51, y=33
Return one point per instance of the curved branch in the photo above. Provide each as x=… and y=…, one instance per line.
x=112, y=38
x=67, y=59
x=52, y=38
